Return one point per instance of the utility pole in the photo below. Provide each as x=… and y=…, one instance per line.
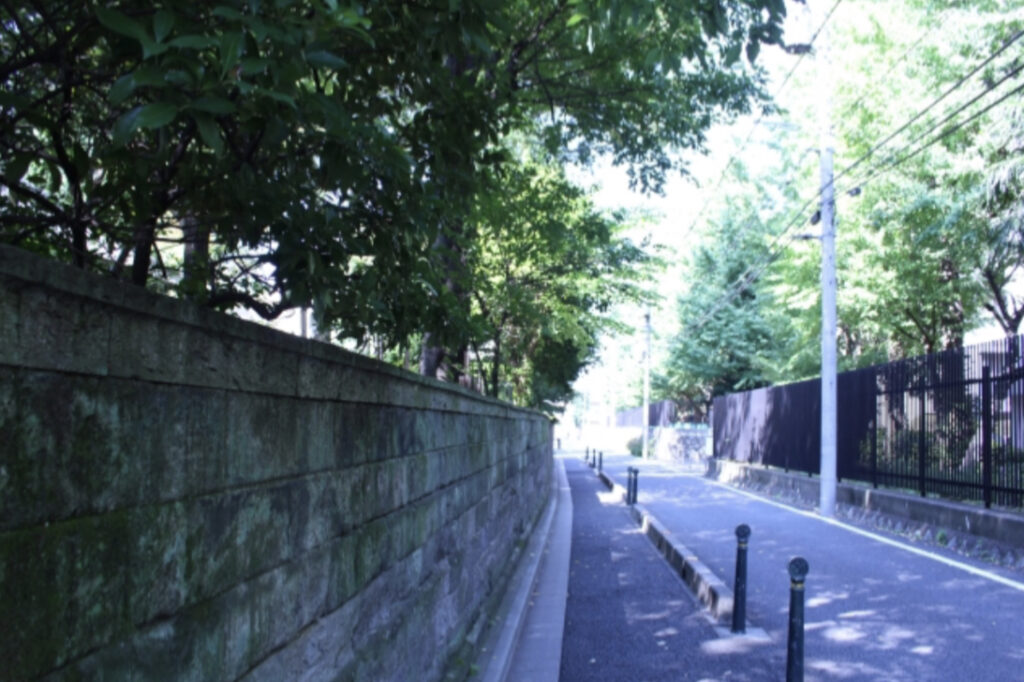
x=647, y=385
x=827, y=498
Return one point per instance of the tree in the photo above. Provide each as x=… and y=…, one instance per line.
x=330, y=154
x=547, y=269
x=923, y=246
x=266, y=136
x=726, y=326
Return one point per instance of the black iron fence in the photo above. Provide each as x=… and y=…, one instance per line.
x=950, y=424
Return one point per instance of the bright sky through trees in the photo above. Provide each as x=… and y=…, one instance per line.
x=923, y=216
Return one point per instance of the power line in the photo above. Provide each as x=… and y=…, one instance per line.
x=756, y=269
x=944, y=134
x=892, y=67
x=747, y=278
x=753, y=128
x=956, y=86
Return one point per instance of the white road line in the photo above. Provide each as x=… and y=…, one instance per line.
x=980, y=572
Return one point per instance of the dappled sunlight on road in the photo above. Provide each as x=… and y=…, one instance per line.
x=874, y=611
x=844, y=633
x=823, y=598
x=844, y=670
x=858, y=614
x=735, y=645
x=905, y=577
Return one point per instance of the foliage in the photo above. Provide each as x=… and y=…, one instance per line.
x=546, y=269
x=928, y=203
x=327, y=153
x=725, y=330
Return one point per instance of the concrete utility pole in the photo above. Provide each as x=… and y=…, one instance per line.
x=647, y=386
x=827, y=499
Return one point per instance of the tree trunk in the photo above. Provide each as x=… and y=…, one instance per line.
x=433, y=353
x=143, y=254
x=431, y=356
x=496, y=365
x=196, y=264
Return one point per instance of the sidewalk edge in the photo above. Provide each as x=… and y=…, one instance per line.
x=496, y=656
x=707, y=587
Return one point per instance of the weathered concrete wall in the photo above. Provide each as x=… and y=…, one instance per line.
x=187, y=496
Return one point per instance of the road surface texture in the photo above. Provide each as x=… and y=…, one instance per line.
x=629, y=617
x=877, y=607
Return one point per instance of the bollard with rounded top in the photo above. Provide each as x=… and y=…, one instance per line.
x=798, y=568
x=600, y=459
x=631, y=485
x=739, y=604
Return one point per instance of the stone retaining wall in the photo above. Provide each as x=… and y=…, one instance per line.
x=187, y=496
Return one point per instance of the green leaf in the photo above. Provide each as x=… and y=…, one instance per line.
x=575, y=19
x=149, y=75
x=193, y=42
x=210, y=132
x=122, y=88
x=180, y=78
x=254, y=66
x=163, y=22
x=753, y=47
x=732, y=54
x=325, y=59
x=278, y=96
x=213, y=105
x=156, y=115
x=227, y=13
x=152, y=49
x=119, y=23
x=125, y=125
x=230, y=49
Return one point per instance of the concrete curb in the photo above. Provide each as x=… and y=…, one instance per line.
x=709, y=589
x=996, y=525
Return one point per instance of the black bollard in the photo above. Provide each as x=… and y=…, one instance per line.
x=739, y=604
x=600, y=459
x=795, y=649
x=586, y=454
x=631, y=485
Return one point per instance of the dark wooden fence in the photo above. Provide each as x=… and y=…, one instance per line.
x=950, y=424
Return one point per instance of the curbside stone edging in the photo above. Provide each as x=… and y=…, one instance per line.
x=707, y=587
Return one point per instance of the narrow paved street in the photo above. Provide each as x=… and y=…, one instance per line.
x=628, y=616
x=877, y=608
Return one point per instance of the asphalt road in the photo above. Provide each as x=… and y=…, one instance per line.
x=629, y=617
x=874, y=610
